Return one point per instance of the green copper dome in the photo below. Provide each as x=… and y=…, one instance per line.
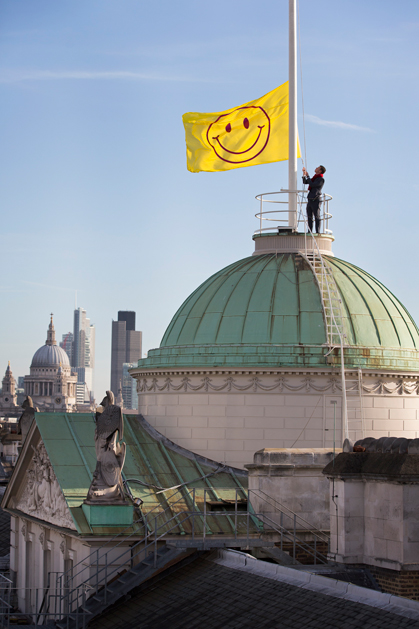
x=266, y=310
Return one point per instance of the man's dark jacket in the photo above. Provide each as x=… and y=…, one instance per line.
x=316, y=185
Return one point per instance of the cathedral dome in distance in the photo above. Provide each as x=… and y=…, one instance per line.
x=50, y=354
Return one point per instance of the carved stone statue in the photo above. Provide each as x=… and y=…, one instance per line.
x=106, y=486
x=27, y=416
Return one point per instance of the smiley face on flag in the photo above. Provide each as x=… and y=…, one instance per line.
x=240, y=135
x=250, y=134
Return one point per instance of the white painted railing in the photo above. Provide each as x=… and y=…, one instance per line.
x=279, y=216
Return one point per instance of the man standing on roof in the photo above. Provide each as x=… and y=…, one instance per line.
x=315, y=185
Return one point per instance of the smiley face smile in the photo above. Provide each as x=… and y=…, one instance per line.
x=239, y=152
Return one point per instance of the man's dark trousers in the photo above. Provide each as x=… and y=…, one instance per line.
x=313, y=211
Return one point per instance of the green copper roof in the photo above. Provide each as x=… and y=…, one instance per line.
x=266, y=310
x=151, y=459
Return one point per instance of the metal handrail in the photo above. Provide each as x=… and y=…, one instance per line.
x=123, y=538
x=36, y=597
x=101, y=555
x=67, y=599
x=308, y=526
x=262, y=214
x=301, y=543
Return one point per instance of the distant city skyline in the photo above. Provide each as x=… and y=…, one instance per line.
x=80, y=348
x=126, y=351
x=132, y=350
x=93, y=158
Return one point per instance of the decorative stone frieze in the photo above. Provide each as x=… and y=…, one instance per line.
x=187, y=384
x=42, y=496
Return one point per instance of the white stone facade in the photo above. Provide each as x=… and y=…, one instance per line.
x=227, y=415
x=291, y=480
x=375, y=523
x=37, y=550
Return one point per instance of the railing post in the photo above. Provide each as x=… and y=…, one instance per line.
x=58, y=593
x=97, y=570
x=235, y=516
x=83, y=604
x=315, y=549
x=77, y=609
x=261, y=210
x=155, y=542
x=106, y=577
x=247, y=525
x=281, y=524
x=205, y=518
x=294, y=536
x=8, y=608
x=193, y=516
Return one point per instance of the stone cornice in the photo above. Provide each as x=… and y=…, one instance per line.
x=138, y=372
x=253, y=383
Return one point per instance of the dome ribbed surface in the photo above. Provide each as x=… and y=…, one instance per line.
x=261, y=299
x=50, y=356
x=267, y=310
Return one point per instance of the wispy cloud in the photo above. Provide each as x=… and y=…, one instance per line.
x=73, y=290
x=10, y=289
x=15, y=76
x=337, y=124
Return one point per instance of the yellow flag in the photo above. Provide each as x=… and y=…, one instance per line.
x=254, y=133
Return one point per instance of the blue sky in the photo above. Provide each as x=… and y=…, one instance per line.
x=94, y=191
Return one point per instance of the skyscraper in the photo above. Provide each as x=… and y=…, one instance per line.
x=126, y=348
x=83, y=355
x=67, y=345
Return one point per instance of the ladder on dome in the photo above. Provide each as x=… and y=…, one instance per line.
x=330, y=296
x=332, y=307
x=355, y=407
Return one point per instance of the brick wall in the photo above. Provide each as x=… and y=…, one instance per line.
x=404, y=583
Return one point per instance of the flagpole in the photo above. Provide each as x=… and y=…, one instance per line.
x=292, y=78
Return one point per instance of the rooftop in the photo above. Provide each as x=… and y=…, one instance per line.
x=266, y=310
x=227, y=590
x=159, y=473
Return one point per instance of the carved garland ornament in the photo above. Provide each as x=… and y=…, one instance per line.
x=280, y=384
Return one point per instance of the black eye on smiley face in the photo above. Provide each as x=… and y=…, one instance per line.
x=246, y=125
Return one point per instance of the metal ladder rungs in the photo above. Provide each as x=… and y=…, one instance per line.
x=333, y=314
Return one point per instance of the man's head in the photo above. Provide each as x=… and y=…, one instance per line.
x=320, y=170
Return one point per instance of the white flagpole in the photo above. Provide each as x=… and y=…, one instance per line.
x=292, y=158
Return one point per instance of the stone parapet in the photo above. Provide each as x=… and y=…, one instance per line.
x=292, y=457
x=290, y=480
x=375, y=509
x=292, y=243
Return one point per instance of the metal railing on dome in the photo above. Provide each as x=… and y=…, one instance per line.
x=329, y=292
x=276, y=216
